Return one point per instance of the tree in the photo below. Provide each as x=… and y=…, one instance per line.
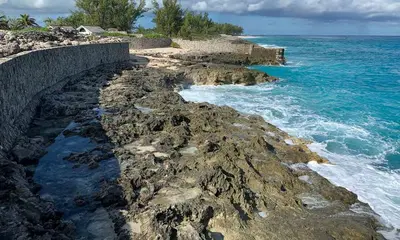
x=26, y=21
x=3, y=22
x=195, y=24
x=121, y=14
x=76, y=19
x=49, y=21
x=169, y=18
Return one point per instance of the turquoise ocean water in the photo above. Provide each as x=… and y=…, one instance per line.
x=344, y=94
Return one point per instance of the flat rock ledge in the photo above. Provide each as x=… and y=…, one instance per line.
x=233, y=58
x=207, y=73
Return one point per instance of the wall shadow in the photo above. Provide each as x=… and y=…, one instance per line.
x=69, y=162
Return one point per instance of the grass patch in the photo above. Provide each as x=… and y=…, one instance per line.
x=32, y=29
x=175, y=45
x=117, y=34
x=153, y=35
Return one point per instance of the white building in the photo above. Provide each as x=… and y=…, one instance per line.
x=90, y=30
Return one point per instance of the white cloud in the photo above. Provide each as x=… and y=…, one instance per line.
x=322, y=9
x=38, y=5
x=200, y=6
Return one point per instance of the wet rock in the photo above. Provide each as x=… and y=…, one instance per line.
x=212, y=74
x=80, y=201
x=188, y=171
x=23, y=216
x=91, y=158
x=93, y=165
x=101, y=226
x=111, y=194
x=28, y=151
x=239, y=164
x=226, y=58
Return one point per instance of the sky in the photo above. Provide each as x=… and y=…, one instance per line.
x=269, y=17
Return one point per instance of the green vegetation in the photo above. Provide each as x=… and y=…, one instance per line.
x=142, y=30
x=153, y=35
x=193, y=24
x=26, y=21
x=32, y=29
x=120, y=14
x=171, y=20
x=21, y=23
x=117, y=34
x=3, y=22
x=75, y=20
x=175, y=45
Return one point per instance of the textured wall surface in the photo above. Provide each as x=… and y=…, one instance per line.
x=213, y=46
x=25, y=77
x=269, y=53
x=225, y=45
x=145, y=43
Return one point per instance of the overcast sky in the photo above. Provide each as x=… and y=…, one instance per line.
x=375, y=17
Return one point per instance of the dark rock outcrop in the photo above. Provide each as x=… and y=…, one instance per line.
x=227, y=58
x=16, y=42
x=215, y=74
x=197, y=171
x=188, y=170
x=23, y=215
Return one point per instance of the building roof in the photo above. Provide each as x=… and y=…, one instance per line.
x=93, y=29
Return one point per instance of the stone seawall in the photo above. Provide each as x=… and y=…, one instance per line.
x=234, y=45
x=213, y=46
x=25, y=77
x=146, y=43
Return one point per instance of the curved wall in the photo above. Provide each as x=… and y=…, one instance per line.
x=25, y=77
x=145, y=43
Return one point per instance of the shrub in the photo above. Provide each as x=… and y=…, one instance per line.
x=153, y=35
x=175, y=45
x=117, y=34
x=32, y=29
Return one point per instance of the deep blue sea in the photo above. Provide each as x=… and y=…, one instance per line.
x=343, y=93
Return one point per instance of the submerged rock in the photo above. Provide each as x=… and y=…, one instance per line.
x=29, y=150
x=23, y=215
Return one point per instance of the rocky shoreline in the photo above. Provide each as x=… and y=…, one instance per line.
x=185, y=170
x=16, y=42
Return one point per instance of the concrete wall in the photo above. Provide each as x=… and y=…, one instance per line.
x=213, y=46
x=145, y=43
x=234, y=46
x=25, y=77
x=269, y=53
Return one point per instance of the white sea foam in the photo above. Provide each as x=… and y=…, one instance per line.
x=271, y=46
x=377, y=188
x=291, y=64
x=248, y=37
x=354, y=170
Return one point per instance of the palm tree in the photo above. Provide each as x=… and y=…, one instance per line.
x=3, y=22
x=48, y=21
x=26, y=21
